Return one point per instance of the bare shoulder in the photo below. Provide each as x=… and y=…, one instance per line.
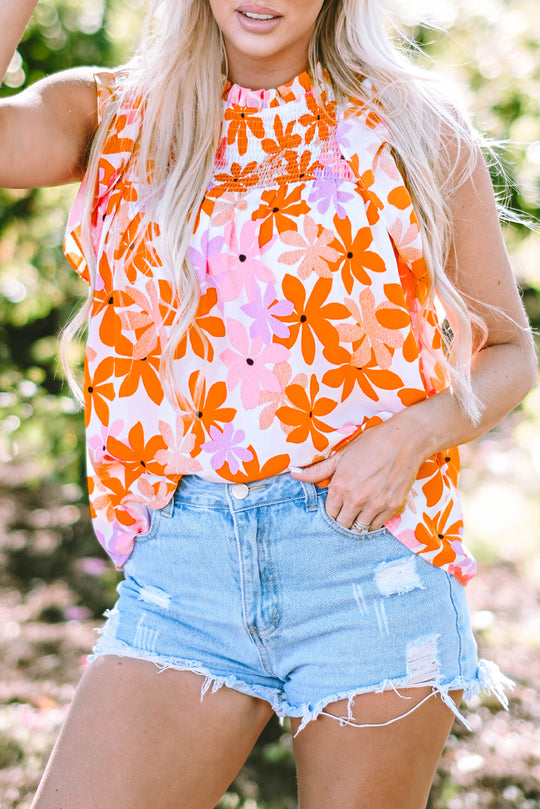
x=46, y=130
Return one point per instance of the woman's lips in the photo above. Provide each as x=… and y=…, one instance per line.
x=255, y=26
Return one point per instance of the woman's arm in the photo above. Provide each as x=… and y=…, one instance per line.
x=372, y=475
x=46, y=130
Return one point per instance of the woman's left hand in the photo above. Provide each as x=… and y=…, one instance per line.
x=370, y=477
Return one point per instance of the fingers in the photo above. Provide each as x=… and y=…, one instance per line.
x=316, y=472
x=348, y=509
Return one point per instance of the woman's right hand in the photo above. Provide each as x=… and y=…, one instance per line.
x=45, y=130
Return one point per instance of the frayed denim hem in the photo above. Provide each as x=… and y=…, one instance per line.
x=212, y=682
x=489, y=680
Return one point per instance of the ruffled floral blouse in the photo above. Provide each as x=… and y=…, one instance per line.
x=309, y=258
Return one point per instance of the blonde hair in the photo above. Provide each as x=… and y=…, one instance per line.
x=178, y=75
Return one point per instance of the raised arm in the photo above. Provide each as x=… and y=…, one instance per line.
x=45, y=131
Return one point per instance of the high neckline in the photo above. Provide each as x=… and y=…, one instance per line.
x=294, y=90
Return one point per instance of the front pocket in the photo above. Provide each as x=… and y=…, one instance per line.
x=347, y=532
x=155, y=519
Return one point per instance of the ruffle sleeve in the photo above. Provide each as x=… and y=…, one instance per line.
x=113, y=161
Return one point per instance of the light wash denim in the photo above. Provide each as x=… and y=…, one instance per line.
x=255, y=587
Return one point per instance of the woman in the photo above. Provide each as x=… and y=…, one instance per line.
x=268, y=400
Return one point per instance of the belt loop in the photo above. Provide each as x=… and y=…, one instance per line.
x=168, y=508
x=310, y=493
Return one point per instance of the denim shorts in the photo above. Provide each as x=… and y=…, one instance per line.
x=255, y=587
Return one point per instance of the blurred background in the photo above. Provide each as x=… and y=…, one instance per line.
x=54, y=581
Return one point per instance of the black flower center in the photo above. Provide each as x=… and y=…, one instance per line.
x=250, y=361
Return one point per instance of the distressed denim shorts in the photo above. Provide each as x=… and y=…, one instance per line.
x=255, y=587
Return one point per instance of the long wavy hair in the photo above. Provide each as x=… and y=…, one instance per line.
x=178, y=75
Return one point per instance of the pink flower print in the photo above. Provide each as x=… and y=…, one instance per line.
x=158, y=494
x=407, y=536
x=241, y=266
x=277, y=399
x=326, y=191
x=464, y=569
x=226, y=208
x=224, y=447
x=265, y=312
x=312, y=251
x=247, y=365
x=177, y=457
x=368, y=333
x=97, y=443
x=384, y=159
x=406, y=239
x=145, y=321
x=203, y=258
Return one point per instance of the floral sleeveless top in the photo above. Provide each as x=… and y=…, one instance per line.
x=309, y=258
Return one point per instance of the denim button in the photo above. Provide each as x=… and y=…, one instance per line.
x=240, y=491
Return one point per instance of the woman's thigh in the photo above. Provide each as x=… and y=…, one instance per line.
x=385, y=767
x=136, y=738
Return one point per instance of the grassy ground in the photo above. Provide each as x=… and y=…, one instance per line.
x=53, y=588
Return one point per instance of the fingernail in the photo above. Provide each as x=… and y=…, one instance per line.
x=295, y=469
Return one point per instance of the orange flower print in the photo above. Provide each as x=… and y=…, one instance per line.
x=209, y=410
x=97, y=389
x=136, y=369
x=285, y=138
x=105, y=500
x=354, y=258
x=310, y=318
x=203, y=325
x=241, y=119
x=239, y=179
x=410, y=396
x=305, y=414
x=279, y=209
x=168, y=303
x=368, y=377
x=105, y=302
x=138, y=455
x=312, y=250
x=300, y=166
x=436, y=534
x=318, y=120
x=252, y=469
x=135, y=253
x=433, y=488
